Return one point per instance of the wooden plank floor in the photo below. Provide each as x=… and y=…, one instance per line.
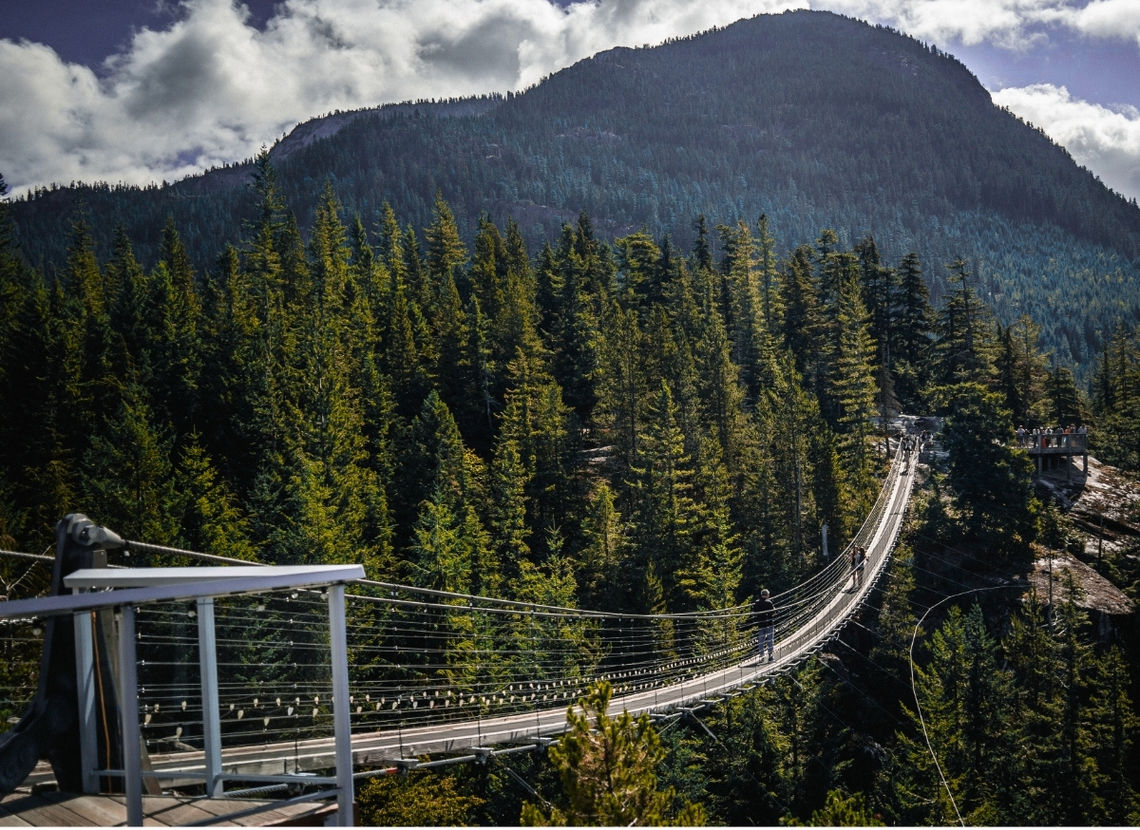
x=56, y=809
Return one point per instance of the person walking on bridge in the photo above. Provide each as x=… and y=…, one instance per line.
x=765, y=611
x=858, y=563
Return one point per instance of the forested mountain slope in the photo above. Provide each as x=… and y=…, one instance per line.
x=653, y=421
x=813, y=119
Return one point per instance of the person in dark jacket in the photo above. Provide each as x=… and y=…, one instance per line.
x=858, y=563
x=765, y=611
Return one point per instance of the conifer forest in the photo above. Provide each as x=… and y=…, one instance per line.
x=656, y=419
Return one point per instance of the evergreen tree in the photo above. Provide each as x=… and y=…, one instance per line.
x=585, y=273
x=779, y=485
x=993, y=481
x=127, y=475
x=802, y=322
x=852, y=389
x=965, y=347
x=1112, y=725
x=748, y=780
x=1066, y=406
x=712, y=581
x=623, y=380
x=967, y=710
x=446, y=253
x=608, y=771
x=601, y=556
x=204, y=509
x=913, y=330
x=663, y=510
x=1021, y=371
x=878, y=286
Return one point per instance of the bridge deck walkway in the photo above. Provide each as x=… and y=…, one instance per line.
x=402, y=746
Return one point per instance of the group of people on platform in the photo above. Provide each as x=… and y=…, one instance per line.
x=1043, y=437
x=765, y=610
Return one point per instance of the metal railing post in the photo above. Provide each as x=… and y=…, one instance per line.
x=128, y=674
x=342, y=727
x=85, y=691
x=211, y=720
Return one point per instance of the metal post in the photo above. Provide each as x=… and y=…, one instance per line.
x=342, y=728
x=85, y=677
x=128, y=673
x=211, y=721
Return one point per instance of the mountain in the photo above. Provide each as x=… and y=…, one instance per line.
x=813, y=119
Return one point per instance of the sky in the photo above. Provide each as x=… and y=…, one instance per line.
x=145, y=91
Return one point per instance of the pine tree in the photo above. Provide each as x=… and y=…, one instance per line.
x=852, y=389
x=878, y=286
x=965, y=347
x=748, y=780
x=446, y=253
x=622, y=380
x=913, y=325
x=40, y=384
x=536, y=417
x=638, y=257
x=510, y=478
x=205, y=510
x=663, y=510
x=712, y=580
x=1021, y=371
x=601, y=556
x=1033, y=654
x=802, y=323
x=608, y=771
x=1112, y=730
x=127, y=476
x=1066, y=406
x=993, y=481
x=132, y=312
x=967, y=711
x=585, y=275
x=716, y=386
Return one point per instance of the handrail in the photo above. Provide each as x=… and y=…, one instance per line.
x=704, y=670
x=125, y=590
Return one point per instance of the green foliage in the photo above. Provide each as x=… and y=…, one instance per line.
x=900, y=138
x=608, y=770
x=992, y=479
x=606, y=425
x=1002, y=723
x=844, y=811
x=429, y=799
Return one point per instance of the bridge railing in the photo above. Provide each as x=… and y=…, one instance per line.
x=819, y=606
x=163, y=600
x=487, y=669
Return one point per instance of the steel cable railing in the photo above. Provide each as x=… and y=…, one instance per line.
x=422, y=657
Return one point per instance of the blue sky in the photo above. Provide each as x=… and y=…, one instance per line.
x=139, y=91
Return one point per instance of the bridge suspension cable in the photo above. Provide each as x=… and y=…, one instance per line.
x=437, y=671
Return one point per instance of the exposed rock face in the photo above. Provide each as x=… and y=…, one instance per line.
x=1102, y=507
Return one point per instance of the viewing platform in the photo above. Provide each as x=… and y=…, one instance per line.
x=1046, y=445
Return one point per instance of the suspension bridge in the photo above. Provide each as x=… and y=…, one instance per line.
x=245, y=681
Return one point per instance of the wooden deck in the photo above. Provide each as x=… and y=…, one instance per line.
x=56, y=809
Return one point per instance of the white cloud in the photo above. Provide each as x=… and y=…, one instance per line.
x=1016, y=25
x=1104, y=140
x=211, y=88
x=1105, y=18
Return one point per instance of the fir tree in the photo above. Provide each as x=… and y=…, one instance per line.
x=608, y=771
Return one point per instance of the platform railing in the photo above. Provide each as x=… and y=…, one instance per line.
x=126, y=591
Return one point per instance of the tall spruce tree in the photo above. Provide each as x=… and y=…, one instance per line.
x=608, y=768
x=913, y=321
